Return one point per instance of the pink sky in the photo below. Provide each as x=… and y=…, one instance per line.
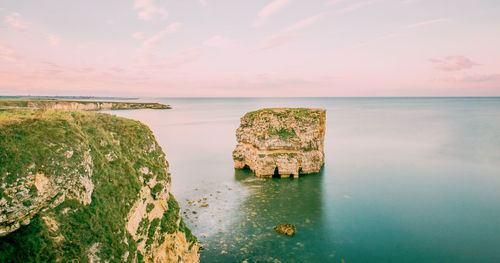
x=265, y=48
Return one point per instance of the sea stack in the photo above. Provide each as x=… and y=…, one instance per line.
x=281, y=142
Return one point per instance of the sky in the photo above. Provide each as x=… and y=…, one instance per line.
x=257, y=48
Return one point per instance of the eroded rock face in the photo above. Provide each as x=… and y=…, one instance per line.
x=90, y=105
x=282, y=142
x=47, y=104
x=62, y=198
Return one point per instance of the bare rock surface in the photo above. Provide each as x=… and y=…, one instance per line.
x=88, y=105
x=86, y=187
x=285, y=229
x=281, y=142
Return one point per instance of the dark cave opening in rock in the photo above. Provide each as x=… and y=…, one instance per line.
x=276, y=173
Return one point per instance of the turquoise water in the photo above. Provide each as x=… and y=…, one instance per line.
x=405, y=180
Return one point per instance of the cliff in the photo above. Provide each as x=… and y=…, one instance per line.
x=281, y=142
x=51, y=104
x=86, y=187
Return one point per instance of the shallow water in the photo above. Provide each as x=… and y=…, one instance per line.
x=405, y=180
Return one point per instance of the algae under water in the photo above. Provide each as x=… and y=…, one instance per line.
x=405, y=180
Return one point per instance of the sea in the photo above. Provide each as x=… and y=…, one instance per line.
x=404, y=180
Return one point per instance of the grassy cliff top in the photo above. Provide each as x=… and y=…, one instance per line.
x=286, y=112
x=40, y=142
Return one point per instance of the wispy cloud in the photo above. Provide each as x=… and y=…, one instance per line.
x=286, y=35
x=152, y=43
x=274, y=41
x=219, y=42
x=378, y=39
x=334, y=2
x=479, y=77
x=203, y=2
x=428, y=22
x=358, y=5
x=15, y=21
x=8, y=53
x=476, y=78
x=53, y=39
x=182, y=57
x=304, y=23
x=138, y=35
x=453, y=63
x=409, y=1
x=148, y=8
x=269, y=10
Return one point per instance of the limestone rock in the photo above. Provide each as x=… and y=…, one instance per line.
x=281, y=142
x=51, y=104
x=82, y=206
x=285, y=229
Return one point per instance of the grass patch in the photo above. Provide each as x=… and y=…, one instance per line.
x=283, y=134
x=170, y=217
x=149, y=207
x=42, y=138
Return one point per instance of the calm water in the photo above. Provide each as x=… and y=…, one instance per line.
x=405, y=180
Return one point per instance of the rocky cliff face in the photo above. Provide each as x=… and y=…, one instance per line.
x=78, y=105
x=87, y=187
x=282, y=141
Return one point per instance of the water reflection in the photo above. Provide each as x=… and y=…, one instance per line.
x=269, y=202
x=405, y=180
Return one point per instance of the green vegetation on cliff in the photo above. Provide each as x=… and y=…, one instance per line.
x=54, y=144
x=78, y=104
x=284, y=113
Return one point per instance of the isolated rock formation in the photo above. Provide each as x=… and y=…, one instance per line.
x=86, y=187
x=281, y=142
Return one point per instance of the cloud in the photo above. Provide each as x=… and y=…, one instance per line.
x=304, y=23
x=453, y=63
x=475, y=78
x=219, y=41
x=373, y=41
x=176, y=59
x=479, y=77
x=269, y=10
x=53, y=40
x=148, y=8
x=183, y=56
x=8, y=53
x=334, y=2
x=428, y=22
x=138, y=35
x=409, y=1
x=274, y=41
x=152, y=43
x=358, y=5
x=285, y=35
x=16, y=21
x=203, y=2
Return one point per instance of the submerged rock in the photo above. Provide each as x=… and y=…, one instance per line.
x=285, y=229
x=281, y=142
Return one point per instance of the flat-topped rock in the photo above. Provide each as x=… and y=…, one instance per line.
x=281, y=142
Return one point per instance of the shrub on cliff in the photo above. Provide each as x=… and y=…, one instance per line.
x=63, y=147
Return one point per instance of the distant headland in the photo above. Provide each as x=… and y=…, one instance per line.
x=56, y=104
